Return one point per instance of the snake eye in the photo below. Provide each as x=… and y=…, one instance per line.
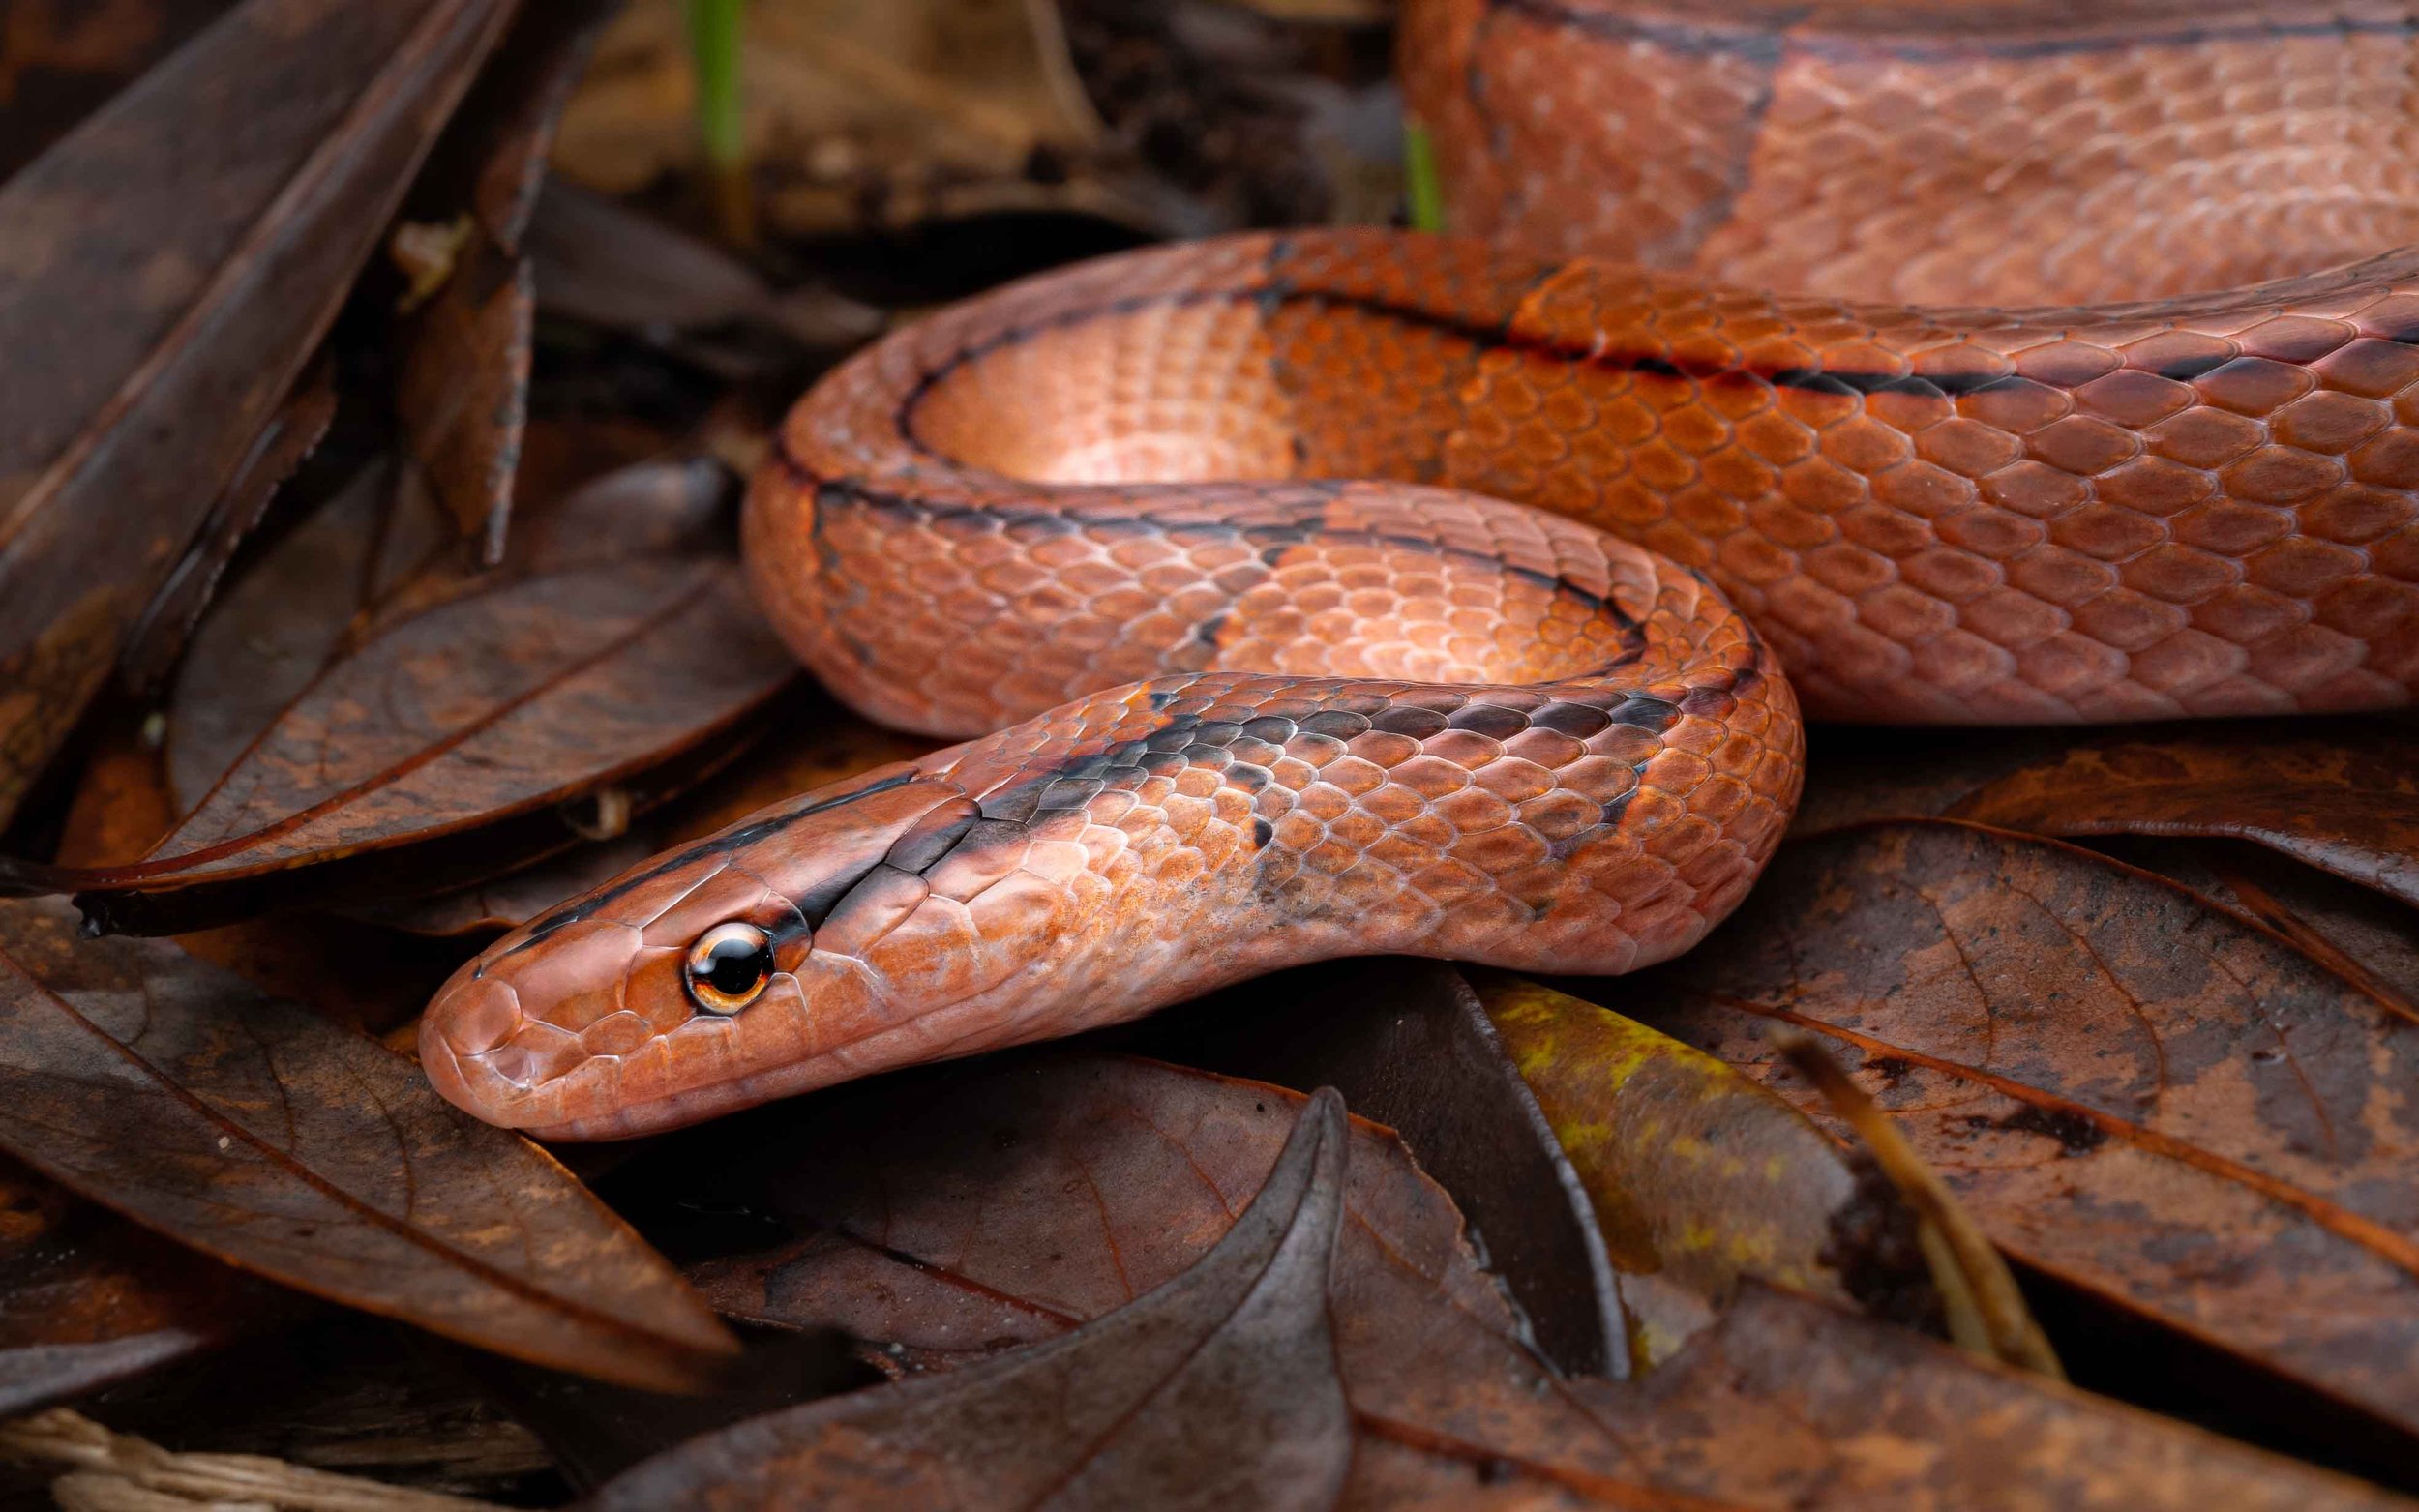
x=729, y=967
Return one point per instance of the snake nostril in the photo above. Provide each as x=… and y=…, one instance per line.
x=476, y=1016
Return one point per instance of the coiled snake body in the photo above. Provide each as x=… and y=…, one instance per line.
x=1262, y=708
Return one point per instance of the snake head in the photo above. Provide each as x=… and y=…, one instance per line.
x=695, y=983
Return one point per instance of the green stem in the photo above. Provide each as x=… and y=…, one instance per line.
x=714, y=31
x=1422, y=188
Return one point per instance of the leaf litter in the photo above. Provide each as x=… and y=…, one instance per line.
x=1049, y=1220
x=2254, y=1202
x=264, y=1136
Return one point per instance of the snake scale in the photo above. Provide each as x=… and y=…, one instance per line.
x=1322, y=593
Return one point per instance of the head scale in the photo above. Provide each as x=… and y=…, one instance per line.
x=683, y=988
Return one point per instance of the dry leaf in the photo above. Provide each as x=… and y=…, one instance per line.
x=1220, y=1388
x=1408, y=1045
x=1786, y=1403
x=969, y=1209
x=808, y=747
x=1700, y=1178
x=2344, y=803
x=617, y=648
x=347, y=973
x=165, y=272
x=2363, y=937
x=464, y=394
x=87, y=1298
x=2342, y=795
x=2143, y=1095
x=491, y=157
x=1029, y=1196
x=160, y=638
x=257, y=1133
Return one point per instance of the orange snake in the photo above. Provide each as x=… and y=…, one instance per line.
x=1349, y=716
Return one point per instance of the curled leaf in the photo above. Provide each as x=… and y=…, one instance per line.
x=463, y=393
x=1409, y=1046
x=1219, y=1386
x=954, y=1212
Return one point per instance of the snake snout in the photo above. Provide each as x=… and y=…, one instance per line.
x=474, y=1014
x=488, y=1057
x=471, y=1017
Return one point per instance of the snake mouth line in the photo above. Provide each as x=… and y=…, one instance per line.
x=691, y=1104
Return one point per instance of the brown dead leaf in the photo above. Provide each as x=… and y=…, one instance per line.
x=349, y=972
x=377, y=553
x=1787, y=1404
x=2135, y=1092
x=1220, y=1387
x=601, y=261
x=615, y=642
x=859, y=114
x=2364, y=936
x=464, y=394
x=1701, y=1178
x=1026, y=1197
x=1006, y=1205
x=261, y=1135
x=61, y=59
x=165, y=272
x=160, y=638
x=818, y=744
x=269, y=633
x=2345, y=803
x=496, y=703
x=491, y=159
x=462, y=388
x=87, y=1298
x=2342, y=795
x=1409, y=1045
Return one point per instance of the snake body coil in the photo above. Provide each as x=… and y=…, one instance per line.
x=1345, y=715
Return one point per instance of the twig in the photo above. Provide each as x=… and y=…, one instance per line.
x=1985, y=1310
x=119, y=1473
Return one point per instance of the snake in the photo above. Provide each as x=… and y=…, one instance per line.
x=1315, y=593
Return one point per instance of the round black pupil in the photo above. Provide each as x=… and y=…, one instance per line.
x=734, y=967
